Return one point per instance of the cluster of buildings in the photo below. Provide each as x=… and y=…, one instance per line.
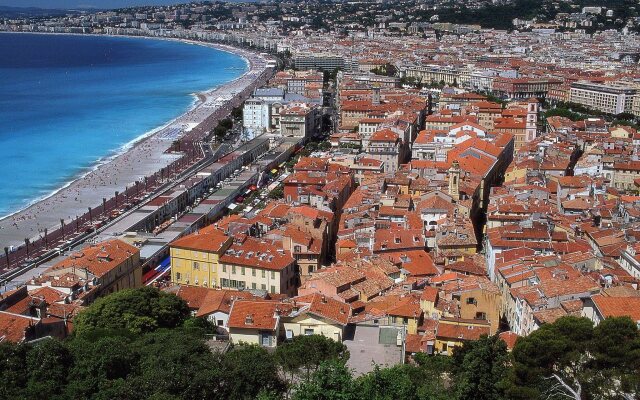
x=291, y=104
x=432, y=221
x=46, y=305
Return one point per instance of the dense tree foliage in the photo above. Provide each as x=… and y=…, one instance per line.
x=136, y=310
x=481, y=369
x=304, y=354
x=572, y=359
x=115, y=356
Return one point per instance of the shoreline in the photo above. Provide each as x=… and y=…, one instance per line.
x=121, y=166
x=198, y=99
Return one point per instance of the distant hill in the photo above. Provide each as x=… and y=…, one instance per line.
x=17, y=12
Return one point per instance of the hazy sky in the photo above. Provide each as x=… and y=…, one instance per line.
x=84, y=3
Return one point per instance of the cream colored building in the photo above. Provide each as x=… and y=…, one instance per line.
x=258, y=264
x=612, y=98
x=317, y=314
x=624, y=174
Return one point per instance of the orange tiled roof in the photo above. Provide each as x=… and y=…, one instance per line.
x=209, y=240
x=98, y=259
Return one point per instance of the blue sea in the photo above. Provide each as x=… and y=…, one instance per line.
x=67, y=102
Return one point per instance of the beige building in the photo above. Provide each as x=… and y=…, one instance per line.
x=259, y=265
x=624, y=175
x=105, y=268
x=317, y=314
x=612, y=98
x=301, y=121
x=255, y=322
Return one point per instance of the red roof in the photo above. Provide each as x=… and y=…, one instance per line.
x=256, y=314
x=618, y=306
x=207, y=240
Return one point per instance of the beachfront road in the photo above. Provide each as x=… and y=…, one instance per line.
x=124, y=183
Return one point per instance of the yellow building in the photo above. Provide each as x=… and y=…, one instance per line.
x=428, y=301
x=453, y=332
x=195, y=258
x=316, y=314
x=515, y=173
x=256, y=322
x=481, y=303
x=456, y=240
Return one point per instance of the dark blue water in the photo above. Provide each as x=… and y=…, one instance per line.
x=68, y=101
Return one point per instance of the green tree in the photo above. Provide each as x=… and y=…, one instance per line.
x=226, y=123
x=482, y=369
x=277, y=193
x=332, y=381
x=305, y=353
x=13, y=369
x=176, y=362
x=136, y=310
x=578, y=361
x=48, y=363
x=387, y=384
x=236, y=113
x=248, y=370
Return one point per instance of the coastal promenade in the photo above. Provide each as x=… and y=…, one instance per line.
x=128, y=179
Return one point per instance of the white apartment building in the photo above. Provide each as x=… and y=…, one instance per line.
x=256, y=115
x=612, y=98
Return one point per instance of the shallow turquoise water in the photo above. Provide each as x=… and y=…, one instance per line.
x=68, y=101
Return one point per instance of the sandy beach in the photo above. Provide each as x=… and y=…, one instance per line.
x=143, y=158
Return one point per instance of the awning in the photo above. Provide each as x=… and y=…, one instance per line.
x=164, y=264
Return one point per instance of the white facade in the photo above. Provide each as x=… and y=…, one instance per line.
x=612, y=98
x=256, y=115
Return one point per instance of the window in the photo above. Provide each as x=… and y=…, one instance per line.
x=178, y=276
x=220, y=322
x=196, y=266
x=273, y=289
x=263, y=287
x=264, y=273
x=481, y=315
x=253, y=272
x=265, y=339
x=471, y=300
x=253, y=285
x=308, y=332
x=242, y=270
x=224, y=268
x=273, y=275
x=233, y=269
